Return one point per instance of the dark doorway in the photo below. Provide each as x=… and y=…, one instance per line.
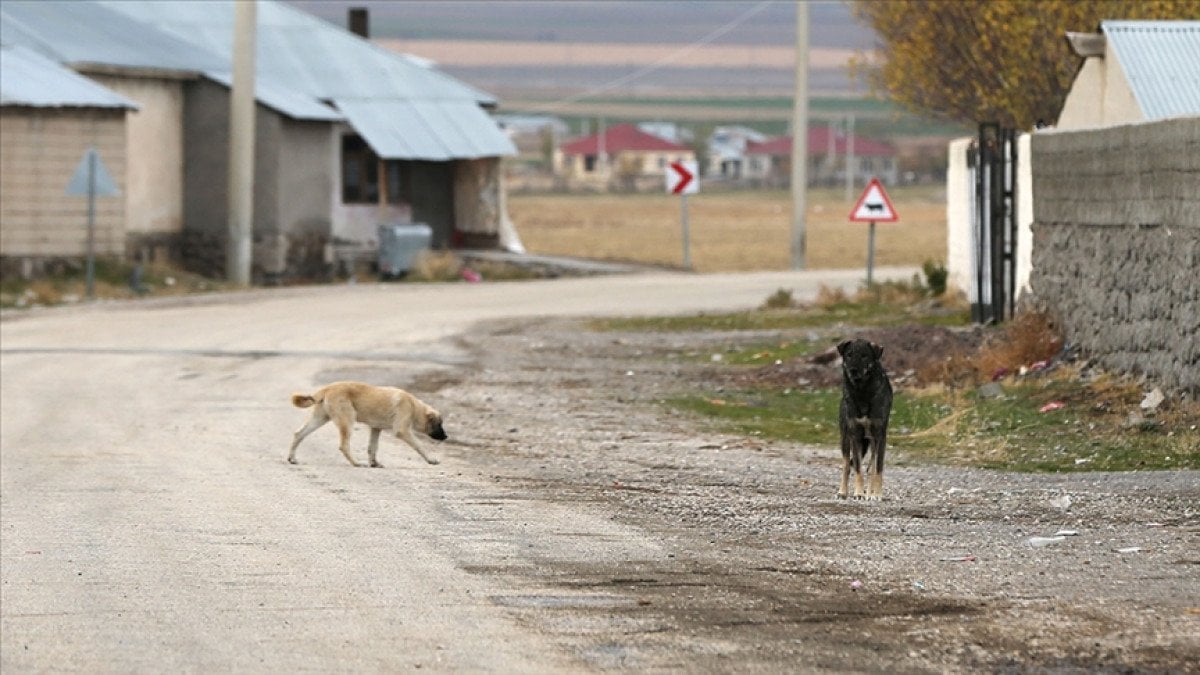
x=428, y=187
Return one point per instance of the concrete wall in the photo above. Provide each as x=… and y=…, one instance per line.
x=154, y=146
x=960, y=209
x=39, y=151
x=1117, y=245
x=293, y=187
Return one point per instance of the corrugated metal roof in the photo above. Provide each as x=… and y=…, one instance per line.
x=429, y=130
x=403, y=108
x=301, y=61
x=30, y=79
x=307, y=53
x=287, y=101
x=1161, y=60
x=88, y=32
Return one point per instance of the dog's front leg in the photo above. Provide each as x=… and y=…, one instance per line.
x=344, y=428
x=373, y=448
x=856, y=456
x=842, y=489
x=877, y=445
x=406, y=435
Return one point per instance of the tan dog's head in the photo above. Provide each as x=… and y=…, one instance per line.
x=433, y=424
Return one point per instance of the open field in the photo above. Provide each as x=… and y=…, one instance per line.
x=730, y=231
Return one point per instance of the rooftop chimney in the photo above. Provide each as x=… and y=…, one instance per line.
x=359, y=22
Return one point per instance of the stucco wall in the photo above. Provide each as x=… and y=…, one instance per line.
x=1117, y=245
x=1100, y=96
x=39, y=151
x=154, y=146
x=293, y=187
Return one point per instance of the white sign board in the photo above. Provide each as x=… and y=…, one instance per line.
x=683, y=178
x=874, y=206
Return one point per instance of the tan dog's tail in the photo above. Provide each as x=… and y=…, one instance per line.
x=302, y=400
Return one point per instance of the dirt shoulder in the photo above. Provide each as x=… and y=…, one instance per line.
x=765, y=571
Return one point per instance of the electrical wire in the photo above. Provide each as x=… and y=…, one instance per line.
x=649, y=68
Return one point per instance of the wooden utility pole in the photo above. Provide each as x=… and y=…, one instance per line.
x=800, y=139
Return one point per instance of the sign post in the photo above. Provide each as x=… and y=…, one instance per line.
x=91, y=178
x=682, y=180
x=872, y=206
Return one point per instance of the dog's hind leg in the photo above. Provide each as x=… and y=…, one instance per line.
x=341, y=411
x=373, y=447
x=315, y=421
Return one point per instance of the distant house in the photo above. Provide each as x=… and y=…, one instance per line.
x=620, y=157
x=348, y=136
x=770, y=162
x=727, y=150
x=1134, y=71
x=49, y=117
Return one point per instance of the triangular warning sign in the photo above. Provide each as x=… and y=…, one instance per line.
x=874, y=206
x=104, y=184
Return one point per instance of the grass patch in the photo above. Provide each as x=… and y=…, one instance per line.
x=801, y=416
x=858, y=314
x=1091, y=433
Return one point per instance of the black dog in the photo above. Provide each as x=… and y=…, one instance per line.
x=866, y=406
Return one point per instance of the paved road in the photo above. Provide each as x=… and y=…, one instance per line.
x=148, y=522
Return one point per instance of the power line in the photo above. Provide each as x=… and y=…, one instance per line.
x=647, y=69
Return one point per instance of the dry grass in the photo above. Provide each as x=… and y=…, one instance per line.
x=1028, y=338
x=730, y=231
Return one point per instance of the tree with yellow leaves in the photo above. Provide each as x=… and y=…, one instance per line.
x=1003, y=61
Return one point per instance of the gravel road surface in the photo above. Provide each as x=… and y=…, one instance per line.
x=149, y=523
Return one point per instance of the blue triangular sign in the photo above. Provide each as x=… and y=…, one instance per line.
x=105, y=185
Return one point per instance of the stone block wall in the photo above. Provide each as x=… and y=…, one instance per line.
x=1116, y=245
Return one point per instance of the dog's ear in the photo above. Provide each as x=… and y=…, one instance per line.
x=878, y=349
x=842, y=347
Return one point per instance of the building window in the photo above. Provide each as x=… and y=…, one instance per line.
x=360, y=172
x=589, y=163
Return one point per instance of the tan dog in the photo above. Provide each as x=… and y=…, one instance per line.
x=377, y=407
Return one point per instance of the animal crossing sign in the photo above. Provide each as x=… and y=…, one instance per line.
x=873, y=206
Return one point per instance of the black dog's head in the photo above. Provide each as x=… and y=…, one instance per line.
x=860, y=360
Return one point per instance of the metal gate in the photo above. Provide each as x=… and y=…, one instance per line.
x=995, y=231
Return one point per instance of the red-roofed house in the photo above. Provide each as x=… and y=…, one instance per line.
x=622, y=156
x=770, y=162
